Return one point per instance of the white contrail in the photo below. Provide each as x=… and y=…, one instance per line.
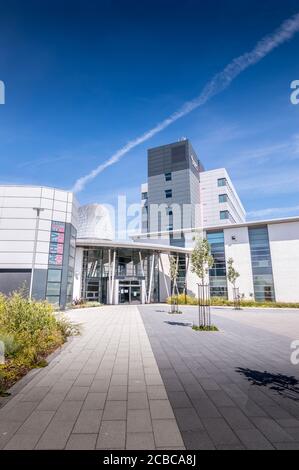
x=218, y=83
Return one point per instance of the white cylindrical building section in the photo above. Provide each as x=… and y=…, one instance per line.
x=95, y=222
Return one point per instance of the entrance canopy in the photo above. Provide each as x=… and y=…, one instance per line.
x=125, y=272
x=161, y=248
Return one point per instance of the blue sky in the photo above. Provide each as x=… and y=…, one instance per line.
x=84, y=78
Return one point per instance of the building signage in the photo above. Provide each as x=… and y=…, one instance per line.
x=55, y=259
x=56, y=248
x=57, y=237
x=57, y=243
x=58, y=227
x=194, y=162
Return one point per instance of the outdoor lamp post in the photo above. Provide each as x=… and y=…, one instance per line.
x=38, y=211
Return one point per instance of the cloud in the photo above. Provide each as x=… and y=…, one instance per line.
x=132, y=194
x=42, y=161
x=277, y=151
x=296, y=144
x=282, y=181
x=273, y=211
x=218, y=83
x=224, y=133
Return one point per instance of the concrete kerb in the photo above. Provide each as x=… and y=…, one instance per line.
x=20, y=384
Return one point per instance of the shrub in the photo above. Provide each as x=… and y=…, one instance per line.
x=11, y=346
x=220, y=301
x=30, y=331
x=205, y=328
x=180, y=299
x=82, y=303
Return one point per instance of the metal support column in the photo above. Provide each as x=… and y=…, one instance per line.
x=151, y=279
x=113, y=276
x=164, y=276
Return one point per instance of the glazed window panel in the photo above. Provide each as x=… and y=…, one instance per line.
x=54, y=275
x=223, y=198
x=261, y=264
x=53, y=288
x=217, y=274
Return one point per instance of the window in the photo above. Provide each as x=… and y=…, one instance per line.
x=217, y=273
x=144, y=195
x=54, y=275
x=170, y=228
x=224, y=215
x=169, y=211
x=168, y=193
x=53, y=300
x=53, y=288
x=261, y=264
x=221, y=182
x=168, y=177
x=223, y=198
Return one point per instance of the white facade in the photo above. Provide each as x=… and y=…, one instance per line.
x=217, y=204
x=27, y=214
x=284, y=252
x=237, y=247
x=211, y=195
x=283, y=237
x=18, y=222
x=284, y=244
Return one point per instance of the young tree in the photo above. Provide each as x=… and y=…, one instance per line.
x=201, y=262
x=201, y=259
x=232, y=276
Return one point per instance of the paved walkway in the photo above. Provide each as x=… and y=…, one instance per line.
x=103, y=391
x=232, y=389
x=280, y=322
x=140, y=378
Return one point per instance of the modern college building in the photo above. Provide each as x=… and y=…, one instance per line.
x=59, y=251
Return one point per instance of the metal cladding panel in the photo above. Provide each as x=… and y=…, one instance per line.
x=179, y=158
x=173, y=157
x=167, y=158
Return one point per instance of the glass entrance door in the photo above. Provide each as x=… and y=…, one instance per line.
x=124, y=294
x=129, y=293
x=135, y=295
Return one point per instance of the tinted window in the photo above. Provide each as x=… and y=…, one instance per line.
x=224, y=215
x=53, y=288
x=223, y=197
x=221, y=182
x=54, y=275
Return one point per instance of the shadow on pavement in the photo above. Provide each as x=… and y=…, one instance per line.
x=177, y=323
x=284, y=385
